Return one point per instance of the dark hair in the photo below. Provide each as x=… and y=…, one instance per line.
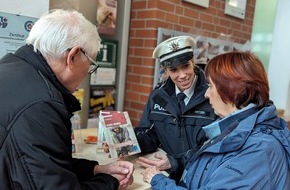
x=240, y=78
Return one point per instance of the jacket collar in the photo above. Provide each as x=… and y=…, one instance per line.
x=237, y=131
x=234, y=129
x=38, y=62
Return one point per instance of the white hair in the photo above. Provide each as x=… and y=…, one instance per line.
x=59, y=30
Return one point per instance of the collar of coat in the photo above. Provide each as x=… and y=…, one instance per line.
x=237, y=129
x=36, y=59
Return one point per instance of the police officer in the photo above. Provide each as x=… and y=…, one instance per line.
x=173, y=125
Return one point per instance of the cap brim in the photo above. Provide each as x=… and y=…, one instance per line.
x=178, y=60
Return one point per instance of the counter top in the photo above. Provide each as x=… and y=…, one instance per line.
x=93, y=152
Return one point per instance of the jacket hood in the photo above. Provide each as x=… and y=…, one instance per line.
x=265, y=119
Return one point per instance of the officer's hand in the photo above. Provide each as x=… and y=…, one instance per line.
x=161, y=162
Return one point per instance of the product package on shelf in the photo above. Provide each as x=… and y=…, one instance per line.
x=76, y=134
x=117, y=133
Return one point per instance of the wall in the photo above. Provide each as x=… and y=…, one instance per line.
x=148, y=15
x=31, y=8
x=270, y=37
x=262, y=34
x=279, y=64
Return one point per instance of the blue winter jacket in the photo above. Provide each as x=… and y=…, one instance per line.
x=253, y=153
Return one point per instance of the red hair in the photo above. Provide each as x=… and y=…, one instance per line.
x=240, y=78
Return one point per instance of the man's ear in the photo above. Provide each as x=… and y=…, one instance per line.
x=71, y=56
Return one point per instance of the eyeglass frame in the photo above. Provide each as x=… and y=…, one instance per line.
x=93, y=66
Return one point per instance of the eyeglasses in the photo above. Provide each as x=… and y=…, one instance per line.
x=93, y=66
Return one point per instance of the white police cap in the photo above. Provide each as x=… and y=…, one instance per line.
x=174, y=51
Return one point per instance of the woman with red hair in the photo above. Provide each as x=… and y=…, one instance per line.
x=248, y=148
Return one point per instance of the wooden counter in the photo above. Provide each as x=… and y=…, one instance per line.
x=89, y=151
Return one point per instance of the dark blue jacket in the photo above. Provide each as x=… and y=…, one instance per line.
x=35, y=129
x=163, y=125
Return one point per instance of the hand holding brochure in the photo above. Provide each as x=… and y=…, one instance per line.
x=116, y=130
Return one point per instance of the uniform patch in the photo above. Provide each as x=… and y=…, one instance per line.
x=158, y=107
x=200, y=112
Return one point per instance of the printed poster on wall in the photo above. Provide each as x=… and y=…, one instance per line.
x=101, y=98
x=107, y=56
x=107, y=59
x=104, y=76
x=14, y=29
x=106, y=16
x=79, y=94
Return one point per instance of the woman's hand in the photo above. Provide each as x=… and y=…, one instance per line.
x=161, y=162
x=149, y=173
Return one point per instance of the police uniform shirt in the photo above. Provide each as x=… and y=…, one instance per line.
x=188, y=92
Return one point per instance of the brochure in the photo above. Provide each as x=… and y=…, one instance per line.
x=116, y=130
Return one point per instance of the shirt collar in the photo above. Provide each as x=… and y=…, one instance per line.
x=190, y=91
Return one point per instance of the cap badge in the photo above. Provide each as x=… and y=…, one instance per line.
x=174, y=46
